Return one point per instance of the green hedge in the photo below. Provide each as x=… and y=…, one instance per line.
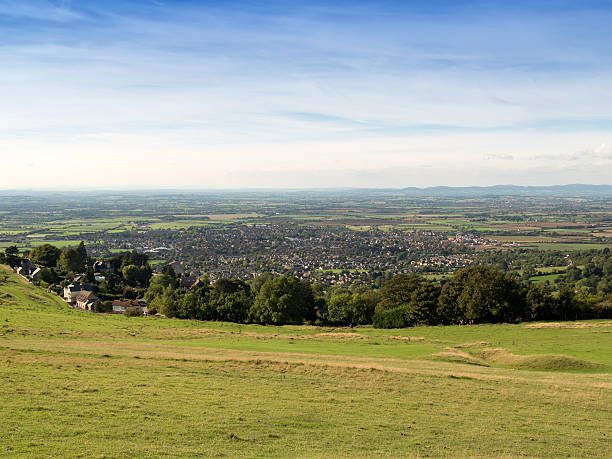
x=392, y=318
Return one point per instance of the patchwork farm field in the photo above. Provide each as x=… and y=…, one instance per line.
x=82, y=384
x=542, y=223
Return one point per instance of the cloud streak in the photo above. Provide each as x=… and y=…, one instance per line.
x=359, y=86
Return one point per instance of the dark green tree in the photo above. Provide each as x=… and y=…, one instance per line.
x=48, y=275
x=480, y=294
x=541, y=302
x=283, y=300
x=131, y=275
x=11, y=256
x=398, y=291
x=46, y=255
x=82, y=251
x=70, y=261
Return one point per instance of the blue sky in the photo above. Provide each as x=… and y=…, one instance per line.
x=304, y=94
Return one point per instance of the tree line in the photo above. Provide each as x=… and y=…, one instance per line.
x=476, y=294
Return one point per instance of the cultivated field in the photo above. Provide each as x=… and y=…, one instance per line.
x=81, y=384
x=550, y=223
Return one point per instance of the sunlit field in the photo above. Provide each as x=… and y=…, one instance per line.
x=82, y=384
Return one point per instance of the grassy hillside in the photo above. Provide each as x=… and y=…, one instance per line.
x=76, y=383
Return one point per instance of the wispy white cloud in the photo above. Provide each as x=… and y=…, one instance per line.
x=60, y=11
x=236, y=91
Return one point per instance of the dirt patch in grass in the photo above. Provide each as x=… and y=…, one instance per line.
x=410, y=338
x=347, y=335
x=468, y=345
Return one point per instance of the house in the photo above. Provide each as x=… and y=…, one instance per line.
x=86, y=300
x=189, y=281
x=120, y=306
x=27, y=267
x=102, y=266
x=35, y=273
x=72, y=291
x=178, y=267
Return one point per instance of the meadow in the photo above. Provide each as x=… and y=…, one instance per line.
x=83, y=384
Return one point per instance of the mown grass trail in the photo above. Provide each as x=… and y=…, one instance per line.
x=80, y=384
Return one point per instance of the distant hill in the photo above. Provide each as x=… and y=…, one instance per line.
x=513, y=190
x=574, y=190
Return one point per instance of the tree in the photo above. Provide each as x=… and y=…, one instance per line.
x=363, y=307
x=46, y=255
x=129, y=293
x=283, y=300
x=169, y=270
x=11, y=255
x=131, y=274
x=232, y=307
x=103, y=306
x=339, y=308
x=607, y=267
x=134, y=258
x=157, y=286
x=166, y=303
x=398, y=291
x=90, y=276
x=188, y=306
x=230, y=286
x=48, y=275
x=390, y=318
x=423, y=309
x=540, y=302
x=70, y=261
x=134, y=275
x=567, y=306
x=573, y=274
x=480, y=294
x=82, y=251
x=257, y=282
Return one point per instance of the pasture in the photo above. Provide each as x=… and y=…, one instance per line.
x=81, y=384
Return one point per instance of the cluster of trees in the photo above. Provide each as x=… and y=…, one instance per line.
x=49, y=257
x=480, y=294
x=266, y=300
x=67, y=260
x=476, y=294
x=588, y=271
x=591, y=273
x=128, y=276
x=10, y=256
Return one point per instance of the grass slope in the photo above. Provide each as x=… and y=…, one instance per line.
x=80, y=384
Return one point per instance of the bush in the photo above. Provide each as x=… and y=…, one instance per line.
x=133, y=312
x=602, y=310
x=104, y=306
x=391, y=318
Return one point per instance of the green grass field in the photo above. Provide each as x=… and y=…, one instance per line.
x=544, y=278
x=80, y=384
